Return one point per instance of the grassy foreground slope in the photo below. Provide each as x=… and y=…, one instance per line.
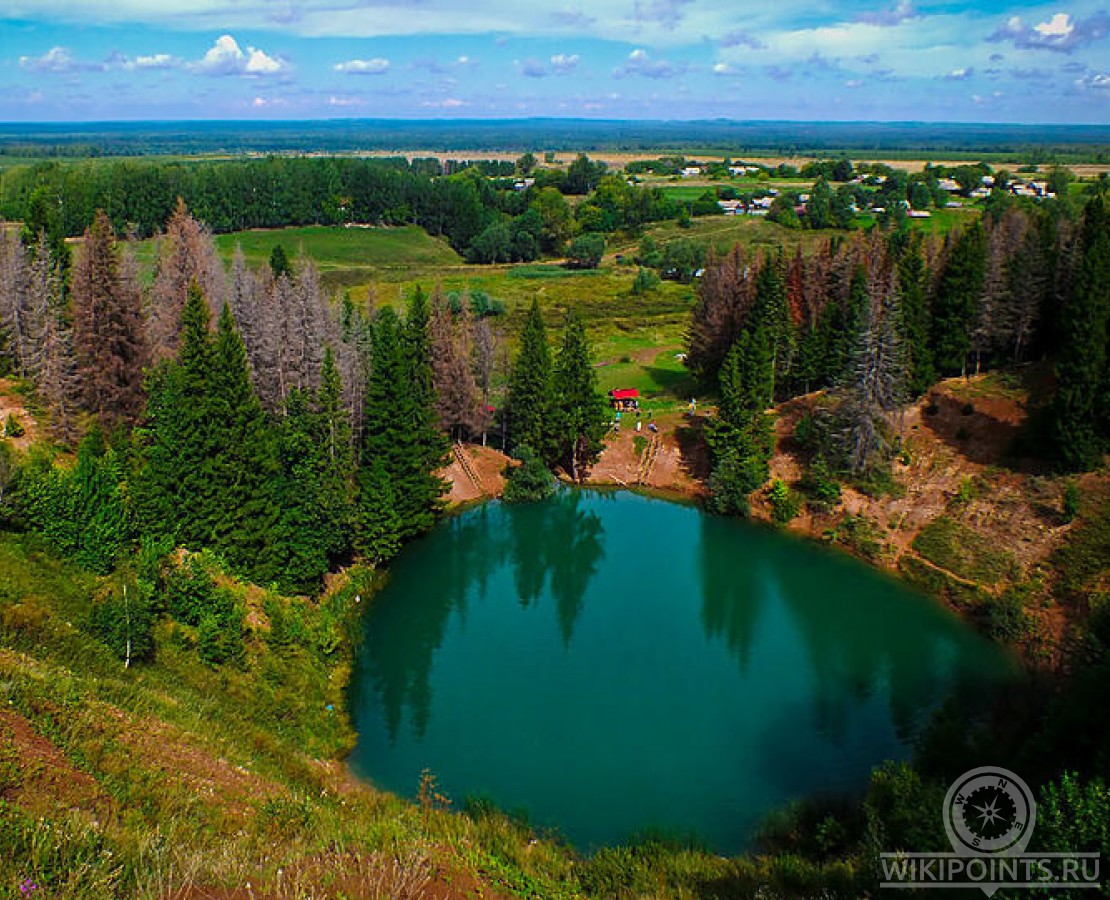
x=176, y=779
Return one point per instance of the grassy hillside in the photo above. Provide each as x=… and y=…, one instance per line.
x=174, y=778
x=340, y=248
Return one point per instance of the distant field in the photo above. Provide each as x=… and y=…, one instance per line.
x=343, y=248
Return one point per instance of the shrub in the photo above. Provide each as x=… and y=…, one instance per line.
x=1071, y=501
x=585, y=251
x=784, y=503
x=13, y=427
x=123, y=619
x=645, y=280
x=189, y=590
x=821, y=485
x=1005, y=616
x=733, y=479
x=530, y=481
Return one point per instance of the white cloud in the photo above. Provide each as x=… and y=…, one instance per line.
x=562, y=62
x=1098, y=82
x=155, y=61
x=56, y=60
x=1059, y=26
x=225, y=57
x=374, y=66
x=559, y=64
x=1060, y=33
x=901, y=12
x=641, y=63
x=448, y=103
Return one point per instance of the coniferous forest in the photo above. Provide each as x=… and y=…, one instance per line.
x=213, y=431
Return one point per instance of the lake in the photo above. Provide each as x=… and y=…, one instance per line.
x=611, y=664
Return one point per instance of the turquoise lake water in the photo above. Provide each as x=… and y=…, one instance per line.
x=610, y=664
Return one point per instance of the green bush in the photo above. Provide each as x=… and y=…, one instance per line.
x=585, y=251
x=645, y=280
x=220, y=635
x=12, y=427
x=530, y=481
x=193, y=598
x=732, y=481
x=821, y=485
x=784, y=503
x=1071, y=501
x=190, y=590
x=123, y=619
x=1005, y=616
x=83, y=511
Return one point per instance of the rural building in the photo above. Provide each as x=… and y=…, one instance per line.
x=623, y=399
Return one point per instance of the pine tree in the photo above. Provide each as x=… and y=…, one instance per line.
x=1078, y=428
x=579, y=411
x=108, y=338
x=530, y=401
x=314, y=489
x=771, y=313
x=377, y=524
x=429, y=446
x=207, y=458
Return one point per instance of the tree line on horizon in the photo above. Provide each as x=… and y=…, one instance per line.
x=480, y=209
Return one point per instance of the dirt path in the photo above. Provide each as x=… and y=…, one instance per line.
x=12, y=404
x=474, y=473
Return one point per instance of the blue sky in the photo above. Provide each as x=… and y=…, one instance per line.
x=80, y=60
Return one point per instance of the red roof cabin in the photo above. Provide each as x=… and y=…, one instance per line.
x=624, y=399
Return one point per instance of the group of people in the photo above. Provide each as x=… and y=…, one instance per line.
x=639, y=422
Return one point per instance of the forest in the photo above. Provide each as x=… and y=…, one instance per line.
x=221, y=422
x=1047, y=142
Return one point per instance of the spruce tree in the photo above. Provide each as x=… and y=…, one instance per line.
x=1078, y=427
x=377, y=524
x=530, y=400
x=243, y=462
x=429, y=443
x=108, y=339
x=171, y=487
x=314, y=489
x=207, y=459
x=579, y=411
x=399, y=430
x=958, y=297
x=771, y=313
x=741, y=439
x=915, y=320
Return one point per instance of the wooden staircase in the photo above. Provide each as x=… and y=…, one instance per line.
x=460, y=454
x=647, y=461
